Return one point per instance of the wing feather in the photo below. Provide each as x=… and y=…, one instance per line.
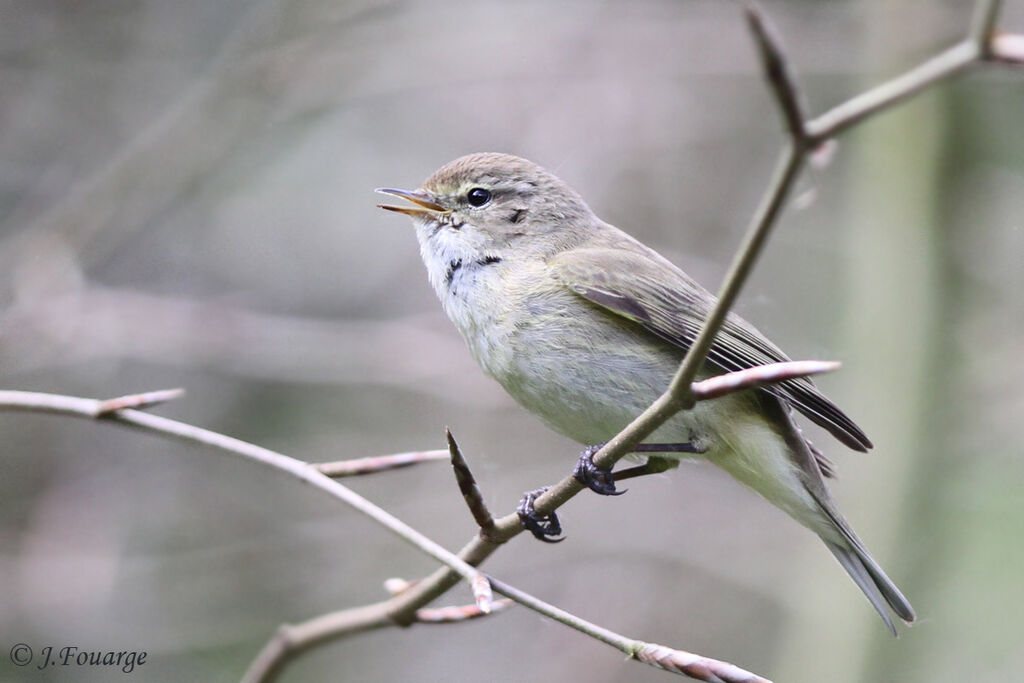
x=640, y=285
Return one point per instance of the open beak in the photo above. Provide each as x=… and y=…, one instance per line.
x=425, y=206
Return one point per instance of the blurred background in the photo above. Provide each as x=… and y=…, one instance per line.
x=186, y=200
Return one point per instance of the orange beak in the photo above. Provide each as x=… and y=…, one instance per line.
x=425, y=206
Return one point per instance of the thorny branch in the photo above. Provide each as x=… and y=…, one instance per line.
x=982, y=45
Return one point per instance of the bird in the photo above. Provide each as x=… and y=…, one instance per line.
x=584, y=326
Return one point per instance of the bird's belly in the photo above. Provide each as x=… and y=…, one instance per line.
x=590, y=395
x=588, y=381
x=588, y=385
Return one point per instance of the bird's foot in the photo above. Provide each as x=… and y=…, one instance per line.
x=594, y=478
x=543, y=527
x=603, y=481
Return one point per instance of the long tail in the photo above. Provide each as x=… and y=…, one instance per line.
x=788, y=475
x=865, y=572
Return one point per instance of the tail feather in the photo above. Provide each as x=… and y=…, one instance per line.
x=815, y=510
x=879, y=590
x=862, y=568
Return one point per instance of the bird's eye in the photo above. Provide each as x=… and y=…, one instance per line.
x=478, y=196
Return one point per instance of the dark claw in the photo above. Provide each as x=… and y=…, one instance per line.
x=542, y=527
x=597, y=480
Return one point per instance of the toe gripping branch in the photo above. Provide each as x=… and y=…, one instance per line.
x=546, y=527
x=543, y=527
x=594, y=478
x=603, y=481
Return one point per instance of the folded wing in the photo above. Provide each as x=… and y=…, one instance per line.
x=641, y=286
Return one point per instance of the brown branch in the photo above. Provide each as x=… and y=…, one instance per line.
x=983, y=44
x=779, y=73
x=454, y=614
x=759, y=376
x=93, y=409
x=983, y=25
x=693, y=666
x=138, y=401
x=467, y=486
x=675, y=661
x=378, y=463
x=818, y=130
x=403, y=609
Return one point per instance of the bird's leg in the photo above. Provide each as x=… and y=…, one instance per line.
x=654, y=465
x=541, y=526
x=603, y=481
x=544, y=527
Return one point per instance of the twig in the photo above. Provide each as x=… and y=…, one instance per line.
x=396, y=585
x=778, y=72
x=758, y=376
x=467, y=486
x=482, y=592
x=138, y=401
x=818, y=131
x=479, y=548
x=853, y=111
x=92, y=408
x=983, y=25
x=982, y=44
x=454, y=614
x=289, y=640
x=1007, y=48
x=377, y=463
x=293, y=639
x=676, y=661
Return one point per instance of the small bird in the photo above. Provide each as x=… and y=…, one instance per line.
x=585, y=326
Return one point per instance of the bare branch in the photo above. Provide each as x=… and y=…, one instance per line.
x=778, y=72
x=980, y=45
x=482, y=592
x=396, y=585
x=138, y=401
x=408, y=605
x=449, y=614
x=1007, y=48
x=676, y=661
x=453, y=614
x=947, y=64
x=290, y=640
x=377, y=463
x=694, y=666
x=467, y=485
x=92, y=408
x=761, y=375
x=983, y=25
x=680, y=395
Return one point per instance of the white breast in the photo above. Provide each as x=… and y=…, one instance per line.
x=466, y=280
